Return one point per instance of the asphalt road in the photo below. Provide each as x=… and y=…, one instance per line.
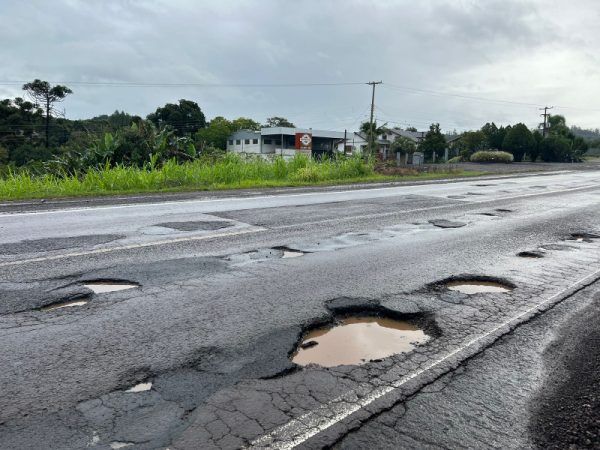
x=219, y=310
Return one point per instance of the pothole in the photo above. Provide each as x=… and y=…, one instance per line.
x=358, y=340
x=583, y=237
x=559, y=247
x=140, y=387
x=443, y=223
x=471, y=287
x=474, y=193
x=65, y=304
x=503, y=210
x=456, y=196
x=289, y=252
x=531, y=254
x=105, y=286
x=488, y=214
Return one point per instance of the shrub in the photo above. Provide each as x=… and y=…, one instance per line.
x=491, y=156
x=455, y=160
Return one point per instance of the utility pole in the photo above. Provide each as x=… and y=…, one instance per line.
x=545, y=116
x=371, y=137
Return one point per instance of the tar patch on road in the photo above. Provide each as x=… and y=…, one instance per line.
x=201, y=225
x=52, y=244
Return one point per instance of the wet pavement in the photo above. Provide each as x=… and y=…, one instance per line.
x=217, y=313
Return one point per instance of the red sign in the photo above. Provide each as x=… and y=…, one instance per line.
x=303, y=141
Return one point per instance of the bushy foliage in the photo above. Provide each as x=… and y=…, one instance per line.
x=434, y=141
x=519, y=141
x=402, y=144
x=229, y=171
x=491, y=157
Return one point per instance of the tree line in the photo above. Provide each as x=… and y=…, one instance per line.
x=34, y=135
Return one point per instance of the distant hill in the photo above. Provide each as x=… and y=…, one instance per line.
x=588, y=135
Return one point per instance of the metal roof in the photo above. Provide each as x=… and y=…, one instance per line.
x=292, y=131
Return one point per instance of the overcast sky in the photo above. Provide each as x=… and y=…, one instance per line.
x=528, y=52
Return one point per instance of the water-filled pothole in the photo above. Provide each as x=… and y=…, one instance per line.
x=477, y=286
x=104, y=286
x=358, y=340
x=65, y=304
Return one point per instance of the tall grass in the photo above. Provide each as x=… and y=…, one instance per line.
x=230, y=171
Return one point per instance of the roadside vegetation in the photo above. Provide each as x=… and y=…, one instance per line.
x=222, y=172
x=176, y=148
x=494, y=157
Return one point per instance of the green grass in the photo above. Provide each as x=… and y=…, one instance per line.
x=229, y=172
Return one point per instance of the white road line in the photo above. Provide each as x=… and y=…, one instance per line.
x=132, y=246
x=281, y=227
x=232, y=199
x=299, y=430
x=430, y=208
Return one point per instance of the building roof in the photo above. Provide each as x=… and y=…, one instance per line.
x=274, y=131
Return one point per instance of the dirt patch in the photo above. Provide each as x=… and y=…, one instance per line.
x=200, y=225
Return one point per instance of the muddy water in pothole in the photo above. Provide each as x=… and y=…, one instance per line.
x=477, y=287
x=101, y=287
x=357, y=340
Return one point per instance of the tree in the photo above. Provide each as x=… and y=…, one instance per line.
x=243, y=123
x=494, y=135
x=403, y=145
x=372, y=131
x=434, y=142
x=555, y=148
x=413, y=129
x=279, y=122
x=41, y=92
x=535, y=151
x=471, y=142
x=519, y=141
x=215, y=134
x=185, y=118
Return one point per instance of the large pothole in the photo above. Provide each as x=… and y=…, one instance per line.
x=474, y=284
x=358, y=340
x=199, y=225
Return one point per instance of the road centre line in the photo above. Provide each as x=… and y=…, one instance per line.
x=132, y=246
x=299, y=430
x=281, y=227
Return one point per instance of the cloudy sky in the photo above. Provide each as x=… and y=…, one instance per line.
x=460, y=63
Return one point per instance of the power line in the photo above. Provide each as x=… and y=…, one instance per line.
x=204, y=85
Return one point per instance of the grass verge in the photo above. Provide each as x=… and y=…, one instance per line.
x=229, y=172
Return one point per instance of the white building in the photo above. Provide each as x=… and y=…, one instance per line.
x=285, y=142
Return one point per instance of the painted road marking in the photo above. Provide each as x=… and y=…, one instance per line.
x=299, y=430
x=262, y=229
x=132, y=246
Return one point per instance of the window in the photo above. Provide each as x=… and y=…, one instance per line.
x=230, y=141
x=238, y=142
x=255, y=141
x=267, y=141
x=277, y=141
x=246, y=141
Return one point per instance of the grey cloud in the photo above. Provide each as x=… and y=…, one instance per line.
x=455, y=46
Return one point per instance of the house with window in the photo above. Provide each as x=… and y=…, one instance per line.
x=284, y=141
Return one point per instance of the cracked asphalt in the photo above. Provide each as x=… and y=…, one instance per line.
x=220, y=308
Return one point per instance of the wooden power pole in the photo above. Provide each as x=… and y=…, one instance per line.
x=371, y=131
x=546, y=123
